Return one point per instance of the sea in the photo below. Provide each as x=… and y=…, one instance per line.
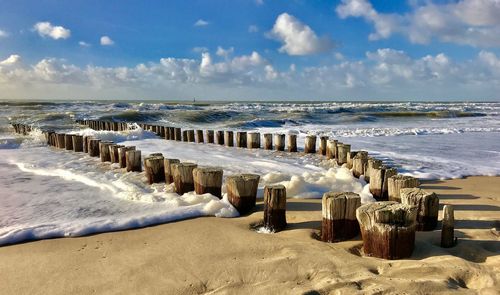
x=51, y=193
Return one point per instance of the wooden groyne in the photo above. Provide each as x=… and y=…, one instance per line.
x=387, y=227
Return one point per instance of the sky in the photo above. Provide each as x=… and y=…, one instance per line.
x=250, y=50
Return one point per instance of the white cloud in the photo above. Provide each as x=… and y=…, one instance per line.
x=46, y=29
x=11, y=60
x=253, y=29
x=106, y=41
x=199, y=49
x=3, y=34
x=201, y=23
x=84, y=44
x=297, y=37
x=470, y=22
x=224, y=52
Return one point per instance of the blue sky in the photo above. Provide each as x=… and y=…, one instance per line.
x=349, y=49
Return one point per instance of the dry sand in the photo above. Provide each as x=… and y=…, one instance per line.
x=214, y=255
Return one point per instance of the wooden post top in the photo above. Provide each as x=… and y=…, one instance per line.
x=243, y=177
x=388, y=212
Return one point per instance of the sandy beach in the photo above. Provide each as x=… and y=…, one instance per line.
x=223, y=256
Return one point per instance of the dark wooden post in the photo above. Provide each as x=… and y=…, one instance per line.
x=167, y=163
x=388, y=229
x=178, y=134
x=185, y=136
x=208, y=180
x=397, y=182
x=60, y=140
x=292, y=143
x=229, y=138
x=241, y=139
x=350, y=157
x=68, y=142
x=427, y=204
x=199, y=136
x=242, y=191
x=122, y=155
x=448, y=231
x=310, y=144
x=154, y=168
x=113, y=152
x=279, y=142
x=104, y=151
x=133, y=160
x=77, y=143
x=359, y=163
x=253, y=140
x=339, y=216
x=268, y=141
x=183, y=177
x=210, y=136
x=275, y=207
x=322, y=145
x=220, y=137
x=94, y=147
x=190, y=134
x=86, y=142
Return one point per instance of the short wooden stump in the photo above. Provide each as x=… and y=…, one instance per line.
x=339, y=221
x=427, y=204
x=208, y=180
x=275, y=207
x=242, y=191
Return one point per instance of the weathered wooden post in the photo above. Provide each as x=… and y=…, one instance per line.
x=339, y=216
x=210, y=136
x=185, y=136
x=104, y=151
x=178, y=134
x=167, y=163
x=229, y=138
x=427, y=204
x=448, y=231
x=292, y=143
x=86, y=142
x=322, y=145
x=113, y=152
x=133, y=160
x=94, y=147
x=397, y=182
x=242, y=191
x=162, y=131
x=154, y=168
x=268, y=141
x=60, y=140
x=359, y=163
x=388, y=229
x=190, y=134
x=343, y=150
x=350, y=157
x=331, y=146
x=370, y=166
x=122, y=155
x=208, y=180
x=68, y=142
x=379, y=178
x=220, y=137
x=183, y=177
x=279, y=142
x=310, y=144
x=77, y=143
x=253, y=140
x=241, y=139
x=275, y=207
x=199, y=136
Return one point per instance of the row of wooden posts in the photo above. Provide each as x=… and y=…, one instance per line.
x=387, y=227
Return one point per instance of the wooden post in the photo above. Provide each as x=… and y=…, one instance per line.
x=397, y=182
x=241, y=139
x=339, y=216
x=68, y=142
x=199, y=136
x=359, y=163
x=379, y=178
x=183, y=177
x=350, y=157
x=343, y=150
x=220, y=137
x=275, y=207
x=77, y=143
x=171, y=133
x=162, y=131
x=448, y=231
x=133, y=160
x=210, y=136
x=113, y=152
x=208, y=180
x=292, y=143
x=190, y=134
x=310, y=144
x=331, y=146
x=322, y=145
x=178, y=134
x=388, y=229
x=279, y=142
x=370, y=166
x=184, y=135
x=122, y=155
x=60, y=140
x=253, y=140
x=242, y=191
x=427, y=204
x=104, y=151
x=154, y=168
x=86, y=142
x=94, y=147
x=167, y=163
x=229, y=138
x=268, y=141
